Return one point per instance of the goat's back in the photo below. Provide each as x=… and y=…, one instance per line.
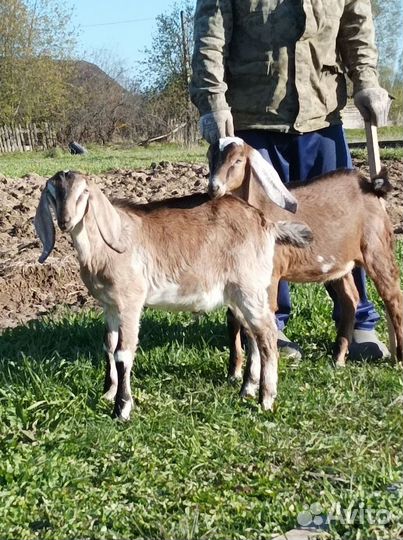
x=342, y=208
x=338, y=196
x=185, y=202
x=195, y=231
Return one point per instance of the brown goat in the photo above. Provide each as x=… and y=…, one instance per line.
x=189, y=254
x=347, y=216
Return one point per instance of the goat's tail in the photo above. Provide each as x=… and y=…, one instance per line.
x=293, y=233
x=380, y=184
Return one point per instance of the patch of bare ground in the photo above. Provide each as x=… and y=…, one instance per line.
x=29, y=289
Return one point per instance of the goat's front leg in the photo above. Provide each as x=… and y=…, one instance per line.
x=124, y=356
x=235, y=347
x=110, y=343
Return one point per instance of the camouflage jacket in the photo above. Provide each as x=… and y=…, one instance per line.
x=281, y=64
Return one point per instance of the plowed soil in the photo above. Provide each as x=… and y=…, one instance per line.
x=29, y=289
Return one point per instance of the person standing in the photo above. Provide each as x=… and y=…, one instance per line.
x=273, y=72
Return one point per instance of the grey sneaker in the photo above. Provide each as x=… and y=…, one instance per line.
x=366, y=345
x=288, y=348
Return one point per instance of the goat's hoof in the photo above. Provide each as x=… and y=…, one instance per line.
x=267, y=404
x=119, y=417
x=340, y=363
x=249, y=390
x=235, y=378
x=122, y=410
x=110, y=394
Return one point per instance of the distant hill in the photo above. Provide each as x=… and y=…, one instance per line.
x=90, y=75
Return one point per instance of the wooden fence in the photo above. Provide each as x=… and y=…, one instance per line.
x=185, y=133
x=17, y=138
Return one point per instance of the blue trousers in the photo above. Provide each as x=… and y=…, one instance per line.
x=301, y=157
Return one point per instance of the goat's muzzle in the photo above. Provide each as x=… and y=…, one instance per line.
x=215, y=188
x=65, y=225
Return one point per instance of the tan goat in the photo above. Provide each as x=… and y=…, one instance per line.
x=190, y=254
x=350, y=226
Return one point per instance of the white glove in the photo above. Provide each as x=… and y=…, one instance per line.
x=216, y=124
x=374, y=105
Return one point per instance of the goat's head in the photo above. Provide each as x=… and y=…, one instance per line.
x=69, y=194
x=232, y=162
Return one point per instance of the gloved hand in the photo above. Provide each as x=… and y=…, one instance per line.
x=216, y=124
x=374, y=105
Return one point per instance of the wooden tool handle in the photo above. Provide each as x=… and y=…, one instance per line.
x=374, y=160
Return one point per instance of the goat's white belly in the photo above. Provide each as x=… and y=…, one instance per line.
x=171, y=297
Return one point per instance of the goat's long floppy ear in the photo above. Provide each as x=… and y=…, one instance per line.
x=107, y=220
x=271, y=183
x=44, y=226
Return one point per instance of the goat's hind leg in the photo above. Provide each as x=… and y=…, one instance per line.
x=262, y=326
x=348, y=297
x=266, y=339
x=235, y=348
x=110, y=343
x=251, y=375
x=382, y=268
x=251, y=379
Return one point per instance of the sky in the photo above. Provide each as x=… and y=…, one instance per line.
x=131, y=31
x=124, y=28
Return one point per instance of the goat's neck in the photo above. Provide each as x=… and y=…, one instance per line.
x=88, y=242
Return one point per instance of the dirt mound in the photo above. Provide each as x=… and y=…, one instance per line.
x=29, y=289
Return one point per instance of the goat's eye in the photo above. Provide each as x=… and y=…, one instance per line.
x=82, y=194
x=238, y=161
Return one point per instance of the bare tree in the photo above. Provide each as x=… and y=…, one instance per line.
x=107, y=104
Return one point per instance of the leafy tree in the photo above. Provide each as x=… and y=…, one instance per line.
x=167, y=68
x=388, y=16
x=168, y=58
x=35, y=39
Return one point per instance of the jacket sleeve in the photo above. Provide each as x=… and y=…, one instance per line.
x=212, y=35
x=356, y=44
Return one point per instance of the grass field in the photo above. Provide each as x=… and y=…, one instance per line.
x=98, y=159
x=384, y=133
x=194, y=462
x=105, y=158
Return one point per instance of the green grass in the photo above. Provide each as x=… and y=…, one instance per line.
x=99, y=159
x=194, y=461
x=386, y=133
x=385, y=153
